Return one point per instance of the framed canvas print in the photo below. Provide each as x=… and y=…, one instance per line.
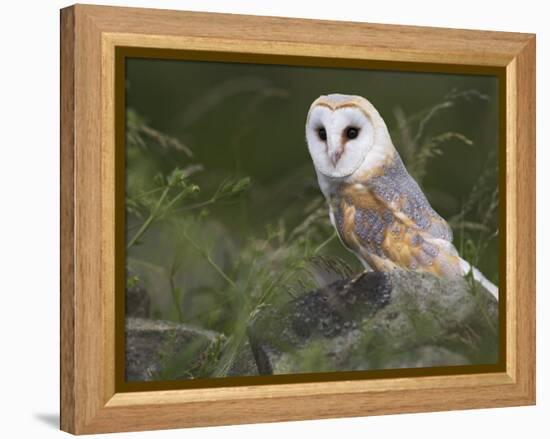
x=269, y=219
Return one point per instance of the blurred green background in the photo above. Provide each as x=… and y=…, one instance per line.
x=224, y=214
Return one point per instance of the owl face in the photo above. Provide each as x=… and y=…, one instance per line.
x=339, y=133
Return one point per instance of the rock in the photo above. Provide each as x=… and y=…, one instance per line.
x=137, y=302
x=384, y=321
x=162, y=350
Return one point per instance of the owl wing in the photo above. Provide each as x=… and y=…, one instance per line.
x=398, y=227
x=396, y=190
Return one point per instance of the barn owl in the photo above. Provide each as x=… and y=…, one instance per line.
x=378, y=210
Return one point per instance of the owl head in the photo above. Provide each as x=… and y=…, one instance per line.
x=341, y=132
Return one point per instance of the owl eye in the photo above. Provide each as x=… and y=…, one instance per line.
x=352, y=132
x=322, y=133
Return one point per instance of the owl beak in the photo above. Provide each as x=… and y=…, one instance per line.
x=335, y=156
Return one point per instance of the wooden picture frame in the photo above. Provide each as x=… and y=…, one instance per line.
x=91, y=37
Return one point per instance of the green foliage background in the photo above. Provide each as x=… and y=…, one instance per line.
x=224, y=215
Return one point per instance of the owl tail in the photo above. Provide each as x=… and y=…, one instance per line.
x=478, y=276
